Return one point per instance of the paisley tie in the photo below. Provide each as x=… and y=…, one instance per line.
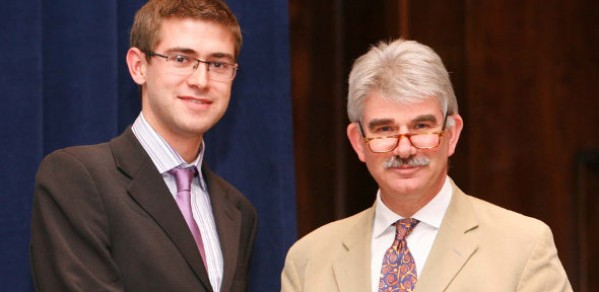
x=398, y=272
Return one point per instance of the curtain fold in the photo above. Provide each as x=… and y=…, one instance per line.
x=79, y=72
x=21, y=133
x=65, y=83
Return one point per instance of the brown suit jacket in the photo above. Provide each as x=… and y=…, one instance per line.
x=104, y=220
x=479, y=247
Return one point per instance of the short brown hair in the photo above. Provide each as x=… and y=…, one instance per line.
x=144, y=33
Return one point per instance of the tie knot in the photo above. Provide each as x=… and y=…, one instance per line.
x=183, y=178
x=404, y=227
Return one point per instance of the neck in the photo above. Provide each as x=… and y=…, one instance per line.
x=405, y=206
x=186, y=145
x=187, y=149
x=407, y=203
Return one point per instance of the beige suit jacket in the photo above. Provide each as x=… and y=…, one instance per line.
x=479, y=247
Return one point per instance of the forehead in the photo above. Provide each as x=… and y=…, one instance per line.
x=377, y=107
x=199, y=36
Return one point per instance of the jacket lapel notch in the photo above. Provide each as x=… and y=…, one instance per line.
x=352, y=267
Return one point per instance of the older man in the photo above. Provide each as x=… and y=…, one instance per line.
x=422, y=233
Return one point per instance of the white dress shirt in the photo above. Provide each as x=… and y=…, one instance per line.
x=166, y=158
x=419, y=241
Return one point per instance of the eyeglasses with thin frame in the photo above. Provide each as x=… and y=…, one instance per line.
x=181, y=64
x=386, y=144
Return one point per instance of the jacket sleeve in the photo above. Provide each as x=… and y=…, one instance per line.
x=290, y=279
x=543, y=270
x=70, y=239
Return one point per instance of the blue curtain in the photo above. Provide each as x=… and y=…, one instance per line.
x=64, y=82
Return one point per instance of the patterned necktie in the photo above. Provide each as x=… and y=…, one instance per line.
x=398, y=273
x=183, y=176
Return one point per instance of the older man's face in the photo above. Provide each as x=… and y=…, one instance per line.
x=405, y=172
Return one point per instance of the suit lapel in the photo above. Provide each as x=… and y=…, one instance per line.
x=148, y=189
x=352, y=268
x=228, y=224
x=455, y=243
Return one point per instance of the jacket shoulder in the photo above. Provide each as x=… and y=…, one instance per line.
x=327, y=235
x=76, y=156
x=215, y=181
x=491, y=215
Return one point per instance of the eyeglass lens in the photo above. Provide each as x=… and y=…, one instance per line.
x=185, y=65
x=419, y=141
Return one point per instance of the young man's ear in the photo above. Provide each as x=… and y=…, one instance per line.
x=137, y=65
x=357, y=142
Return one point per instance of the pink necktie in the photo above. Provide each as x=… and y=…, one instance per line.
x=183, y=176
x=398, y=273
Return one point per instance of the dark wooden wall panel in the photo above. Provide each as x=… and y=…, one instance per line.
x=526, y=75
x=588, y=202
x=531, y=100
x=315, y=108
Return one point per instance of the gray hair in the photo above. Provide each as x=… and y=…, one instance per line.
x=402, y=71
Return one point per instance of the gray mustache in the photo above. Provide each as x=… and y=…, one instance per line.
x=395, y=161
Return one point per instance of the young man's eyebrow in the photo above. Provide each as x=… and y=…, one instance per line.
x=181, y=50
x=223, y=56
x=188, y=51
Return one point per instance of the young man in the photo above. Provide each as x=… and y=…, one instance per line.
x=142, y=212
x=422, y=233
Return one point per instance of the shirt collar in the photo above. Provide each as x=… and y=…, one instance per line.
x=431, y=214
x=162, y=154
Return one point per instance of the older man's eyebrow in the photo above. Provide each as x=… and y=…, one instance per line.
x=425, y=118
x=379, y=122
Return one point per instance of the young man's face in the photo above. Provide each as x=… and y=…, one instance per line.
x=183, y=106
x=423, y=179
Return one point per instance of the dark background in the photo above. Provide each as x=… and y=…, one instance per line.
x=526, y=74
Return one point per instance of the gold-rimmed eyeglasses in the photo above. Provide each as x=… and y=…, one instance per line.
x=388, y=143
x=181, y=64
